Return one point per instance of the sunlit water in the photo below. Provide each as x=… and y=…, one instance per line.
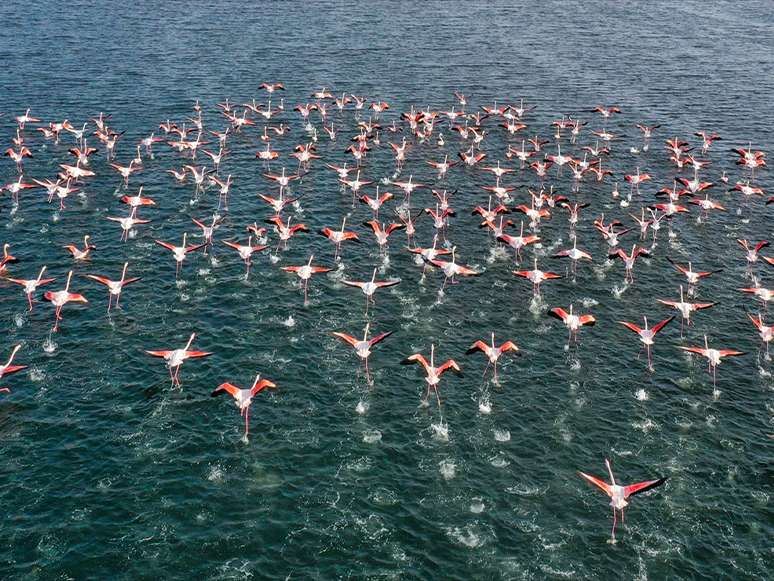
x=109, y=472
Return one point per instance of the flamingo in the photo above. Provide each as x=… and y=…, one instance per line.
x=176, y=357
x=128, y=223
x=7, y=258
x=62, y=297
x=536, y=276
x=451, y=269
x=363, y=347
x=285, y=230
x=339, y=236
x=443, y=166
x=492, y=352
x=126, y=171
x=245, y=251
x=573, y=254
x=16, y=187
x=714, y=357
x=766, y=332
x=752, y=254
x=244, y=397
x=762, y=293
x=516, y=242
x=180, y=252
x=224, y=186
x=79, y=254
x=489, y=214
x=138, y=200
x=685, y=308
x=629, y=260
x=573, y=322
x=433, y=372
x=377, y=202
x=369, y=288
x=619, y=494
x=382, y=233
x=115, y=287
x=693, y=277
x=305, y=273
x=647, y=335
x=23, y=119
x=7, y=369
x=31, y=285
x=18, y=156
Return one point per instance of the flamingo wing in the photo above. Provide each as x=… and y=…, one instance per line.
x=226, y=387
x=634, y=328
x=698, y=350
x=589, y=320
x=379, y=338
x=164, y=354
x=386, y=283
x=197, y=353
x=510, y=346
x=166, y=245
x=416, y=358
x=558, y=313
x=478, y=346
x=727, y=353
x=597, y=482
x=104, y=281
x=662, y=324
x=452, y=366
x=264, y=383
x=643, y=486
x=353, y=283
x=351, y=340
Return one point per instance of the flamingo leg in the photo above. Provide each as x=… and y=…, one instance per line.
x=612, y=538
x=438, y=397
x=29, y=298
x=368, y=373
x=247, y=420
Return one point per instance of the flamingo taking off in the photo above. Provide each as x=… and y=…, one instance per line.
x=62, y=297
x=369, y=288
x=433, y=372
x=492, y=352
x=713, y=356
x=244, y=397
x=7, y=369
x=573, y=322
x=176, y=357
x=31, y=285
x=647, y=335
x=619, y=494
x=339, y=236
x=363, y=347
x=685, y=308
x=114, y=286
x=305, y=273
x=180, y=252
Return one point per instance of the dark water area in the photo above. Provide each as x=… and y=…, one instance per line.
x=108, y=471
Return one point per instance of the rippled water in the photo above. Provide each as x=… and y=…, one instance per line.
x=109, y=472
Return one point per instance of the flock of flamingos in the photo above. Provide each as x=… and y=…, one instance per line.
x=461, y=131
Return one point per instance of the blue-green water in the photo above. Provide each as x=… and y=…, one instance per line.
x=109, y=472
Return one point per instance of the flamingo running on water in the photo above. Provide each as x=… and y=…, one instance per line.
x=176, y=357
x=305, y=273
x=62, y=297
x=619, y=494
x=7, y=369
x=244, y=397
x=31, y=285
x=713, y=356
x=363, y=347
x=433, y=373
x=116, y=286
x=493, y=353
